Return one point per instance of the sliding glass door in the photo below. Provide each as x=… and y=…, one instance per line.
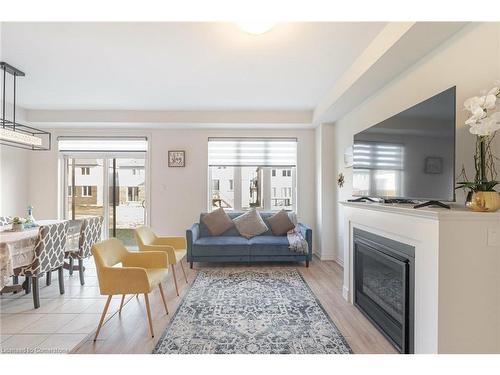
x=127, y=197
x=112, y=187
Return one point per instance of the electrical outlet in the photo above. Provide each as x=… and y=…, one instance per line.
x=493, y=237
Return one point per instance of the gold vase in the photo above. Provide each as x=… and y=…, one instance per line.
x=484, y=201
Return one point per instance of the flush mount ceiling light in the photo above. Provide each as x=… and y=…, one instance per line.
x=256, y=28
x=13, y=133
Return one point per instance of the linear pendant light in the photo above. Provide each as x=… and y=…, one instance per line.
x=13, y=133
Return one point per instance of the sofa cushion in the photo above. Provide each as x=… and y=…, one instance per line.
x=280, y=223
x=217, y=222
x=270, y=245
x=220, y=246
x=250, y=224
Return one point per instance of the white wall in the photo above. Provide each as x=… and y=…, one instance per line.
x=178, y=195
x=14, y=177
x=470, y=60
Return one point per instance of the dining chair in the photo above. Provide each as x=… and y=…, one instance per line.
x=5, y=220
x=139, y=273
x=174, y=246
x=90, y=233
x=49, y=256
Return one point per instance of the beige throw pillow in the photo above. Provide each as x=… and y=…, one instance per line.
x=280, y=223
x=250, y=224
x=217, y=222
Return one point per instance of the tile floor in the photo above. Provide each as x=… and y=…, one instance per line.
x=61, y=322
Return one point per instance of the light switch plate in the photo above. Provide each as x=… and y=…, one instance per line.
x=493, y=237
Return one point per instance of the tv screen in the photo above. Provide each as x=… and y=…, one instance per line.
x=410, y=155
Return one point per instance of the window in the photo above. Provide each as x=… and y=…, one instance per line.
x=133, y=193
x=216, y=185
x=249, y=173
x=85, y=171
x=86, y=191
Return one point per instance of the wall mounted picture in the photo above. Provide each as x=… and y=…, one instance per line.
x=176, y=158
x=433, y=165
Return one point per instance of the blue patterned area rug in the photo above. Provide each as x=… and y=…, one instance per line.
x=251, y=310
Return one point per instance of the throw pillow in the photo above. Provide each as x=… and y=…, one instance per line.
x=250, y=224
x=217, y=222
x=280, y=223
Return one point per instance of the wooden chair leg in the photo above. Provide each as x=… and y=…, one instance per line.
x=163, y=298
x=80, y=271
x=15, y=281
x=27, y=284
x=148, y=311
x=175, y=279
x=121, y=303
x=184, y=272
x=102, y=317
x=191, y=265
x=36, y=292
x=49, y=278
x=60, y=277
x=70, y=266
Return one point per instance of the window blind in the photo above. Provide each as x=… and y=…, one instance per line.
x=371, y=155
x=102, y=144
x=261, y=152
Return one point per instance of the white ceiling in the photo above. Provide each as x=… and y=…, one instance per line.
x=180, y=66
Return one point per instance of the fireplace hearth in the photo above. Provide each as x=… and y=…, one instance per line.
x=384, y=286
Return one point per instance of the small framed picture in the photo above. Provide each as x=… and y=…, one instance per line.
x=433, y=165
x=176, y=158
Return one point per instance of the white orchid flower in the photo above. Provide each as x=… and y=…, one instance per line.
x=486, y=126
x=489, y=101
x=494, y=91
x=477, y=114
x=472, y=103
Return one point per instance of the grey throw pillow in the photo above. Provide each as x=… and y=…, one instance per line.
x=217, y=222
x=280, y=223
x=250, y=224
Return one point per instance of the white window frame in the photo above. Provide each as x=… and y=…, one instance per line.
x=84, y=195
x=84, y=171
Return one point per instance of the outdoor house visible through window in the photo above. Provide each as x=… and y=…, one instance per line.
x=252, y=172
x=105, y=176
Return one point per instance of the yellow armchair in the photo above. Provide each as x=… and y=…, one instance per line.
x=139, y=273
x=173, y=246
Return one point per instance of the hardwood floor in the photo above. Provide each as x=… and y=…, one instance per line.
x=128, y=332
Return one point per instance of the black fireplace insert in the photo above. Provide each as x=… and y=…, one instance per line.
x=384, y=278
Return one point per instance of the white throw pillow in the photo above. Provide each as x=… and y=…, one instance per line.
x=250, y=224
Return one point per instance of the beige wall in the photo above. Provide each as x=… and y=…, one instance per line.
x=470, y=60
x=14, y=177
x=178, y=195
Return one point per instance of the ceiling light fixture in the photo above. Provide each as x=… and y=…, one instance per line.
x=13, y=133
x=256, y=28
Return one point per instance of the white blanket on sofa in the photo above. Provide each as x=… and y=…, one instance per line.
x=296, y=240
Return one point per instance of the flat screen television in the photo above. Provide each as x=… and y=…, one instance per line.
x=410, y=155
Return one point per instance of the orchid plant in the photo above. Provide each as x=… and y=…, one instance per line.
x=483, y=123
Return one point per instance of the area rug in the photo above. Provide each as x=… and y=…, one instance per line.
x=251, y=310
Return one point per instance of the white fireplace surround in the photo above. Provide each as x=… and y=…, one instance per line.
x=457, y=271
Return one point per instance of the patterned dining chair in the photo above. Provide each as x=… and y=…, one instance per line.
x=49, y=256
x=5, y=220
x=90, y=233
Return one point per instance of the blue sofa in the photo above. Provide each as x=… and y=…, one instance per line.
x=231, y=247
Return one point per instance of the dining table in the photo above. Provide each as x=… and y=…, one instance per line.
x=17, y=248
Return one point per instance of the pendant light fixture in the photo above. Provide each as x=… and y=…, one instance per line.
x=13, y=133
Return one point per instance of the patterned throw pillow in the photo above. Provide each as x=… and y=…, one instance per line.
x=250, y=224
x=217, y=222
x=280, y=223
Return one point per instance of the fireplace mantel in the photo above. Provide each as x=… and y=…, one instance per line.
x=457, y=271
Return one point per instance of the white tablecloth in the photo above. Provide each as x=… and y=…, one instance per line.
x=17, y=249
